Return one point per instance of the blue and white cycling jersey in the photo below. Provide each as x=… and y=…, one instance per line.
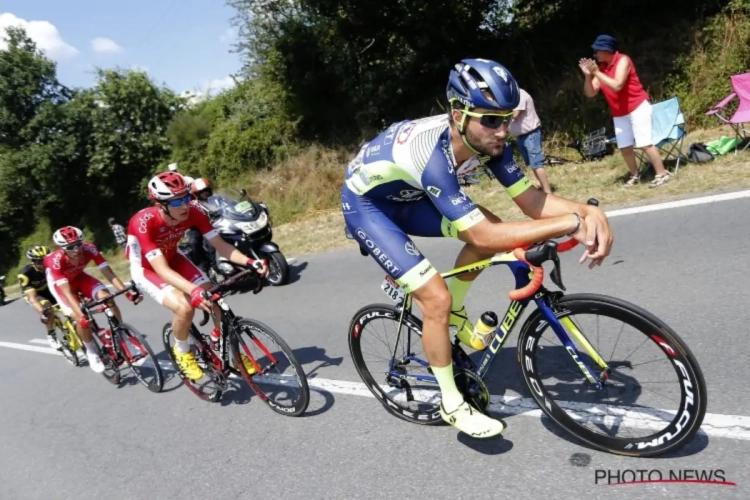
x=403, y=182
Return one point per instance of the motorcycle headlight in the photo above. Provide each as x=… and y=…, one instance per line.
x=250, y=227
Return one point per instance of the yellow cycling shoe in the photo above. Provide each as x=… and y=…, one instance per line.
x=248, y=364
x=187, y=363
x=459, y=325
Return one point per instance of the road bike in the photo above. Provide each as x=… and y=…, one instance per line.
x=590, y=421
x=68, y=338
x=239, y=335
x=122, y=343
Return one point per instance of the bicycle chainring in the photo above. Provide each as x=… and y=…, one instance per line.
x=473, y=388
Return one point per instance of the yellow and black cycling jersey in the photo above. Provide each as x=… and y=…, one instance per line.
x=30, y=278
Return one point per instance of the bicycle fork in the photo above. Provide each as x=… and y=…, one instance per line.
x=559, y=326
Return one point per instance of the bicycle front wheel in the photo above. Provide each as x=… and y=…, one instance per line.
x=636, y=395
x=69, y=343
x=140, y=358
x=279, y=379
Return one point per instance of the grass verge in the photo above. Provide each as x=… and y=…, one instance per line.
x=303, y=193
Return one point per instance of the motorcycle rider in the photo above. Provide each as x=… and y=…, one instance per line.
x=200, y=190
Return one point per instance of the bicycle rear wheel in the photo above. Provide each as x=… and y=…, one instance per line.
x=281, y=384
x=594, y=415
x=212, y=385
x=140, y=358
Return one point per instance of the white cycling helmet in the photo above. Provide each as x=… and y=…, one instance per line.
x=67, y=235
x=166, y=186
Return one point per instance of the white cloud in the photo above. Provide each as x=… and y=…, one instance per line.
x=219, y=85
x=105, y=46
x=229, y=35
x=44, y=34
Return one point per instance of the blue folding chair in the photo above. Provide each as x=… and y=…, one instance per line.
x=668, y=132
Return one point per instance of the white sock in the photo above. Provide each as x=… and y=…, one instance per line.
x=183, y=345
x=449, y=392
x=91, y=348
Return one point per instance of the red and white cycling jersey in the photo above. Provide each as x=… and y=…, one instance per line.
x=62, y=269
x=150, y=236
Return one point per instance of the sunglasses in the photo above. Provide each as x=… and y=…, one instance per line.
x=73, y=246
x=178, y=202
x=491, y=120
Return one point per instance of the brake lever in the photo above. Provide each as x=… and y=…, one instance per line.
x=555, y=275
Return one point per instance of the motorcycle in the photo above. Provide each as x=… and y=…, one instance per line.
x=246, y=225
x=2, y=291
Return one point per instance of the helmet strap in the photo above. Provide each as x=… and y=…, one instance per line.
x=462, y=129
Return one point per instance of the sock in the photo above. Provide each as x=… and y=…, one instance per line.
x=458, y=290
x=91, y=347
x=449, y=392
x=183, y=345
x=51, y=332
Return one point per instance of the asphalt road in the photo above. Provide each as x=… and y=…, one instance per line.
x=67, y=433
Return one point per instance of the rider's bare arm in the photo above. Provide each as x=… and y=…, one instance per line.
x=161, y=267
x=71, y=298
x=110, y=275
x=34, y=300
x=498, y=237
x=228, y=251
x=537, y=204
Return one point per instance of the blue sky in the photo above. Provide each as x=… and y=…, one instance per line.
x=183, y=44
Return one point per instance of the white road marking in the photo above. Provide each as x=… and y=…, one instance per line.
x=714, y=424
x=679, y=203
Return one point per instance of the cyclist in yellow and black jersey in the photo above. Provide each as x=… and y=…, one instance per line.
x=33, y=282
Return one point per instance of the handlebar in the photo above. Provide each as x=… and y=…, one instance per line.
x=540, y=254
x=91, y=304
x=214, y=293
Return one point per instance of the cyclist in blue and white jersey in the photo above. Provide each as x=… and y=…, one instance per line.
x=404, y=182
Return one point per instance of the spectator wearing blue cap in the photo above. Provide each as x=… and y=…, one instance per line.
x=614, y=74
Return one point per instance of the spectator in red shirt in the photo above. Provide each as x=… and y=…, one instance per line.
x=616, y=77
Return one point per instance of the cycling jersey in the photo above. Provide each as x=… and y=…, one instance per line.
x=149, y=235
x=31, y=278
x=405, y=181
x=61, y=269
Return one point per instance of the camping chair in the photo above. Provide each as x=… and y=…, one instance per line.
x=667, y=132
x=741, y=87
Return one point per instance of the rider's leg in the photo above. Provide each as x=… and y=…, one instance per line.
x=458, y=286
x=374, y=227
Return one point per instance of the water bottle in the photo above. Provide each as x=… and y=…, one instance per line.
x=215, y=335
x=485, y=327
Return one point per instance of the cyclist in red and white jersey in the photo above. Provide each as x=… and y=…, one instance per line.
x=162, y=271
x=66, y=278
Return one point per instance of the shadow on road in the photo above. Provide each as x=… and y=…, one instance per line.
x=313, y=354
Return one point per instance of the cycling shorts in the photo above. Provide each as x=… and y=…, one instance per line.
x=152, y=284
x=86, y=284
x=382, y=227
x=42, y=296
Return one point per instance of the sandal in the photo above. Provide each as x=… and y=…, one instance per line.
x=659, y=180
x=633, y=180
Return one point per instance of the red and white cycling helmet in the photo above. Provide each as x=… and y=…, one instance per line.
x=166, y=186
x=67, y=235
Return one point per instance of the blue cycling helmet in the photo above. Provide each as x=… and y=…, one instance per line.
x=472, y=76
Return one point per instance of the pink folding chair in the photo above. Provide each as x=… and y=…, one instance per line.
x=741, y=88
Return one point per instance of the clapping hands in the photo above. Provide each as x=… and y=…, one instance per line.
x=588, y=66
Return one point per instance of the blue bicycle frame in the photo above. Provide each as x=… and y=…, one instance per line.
x=521, y=271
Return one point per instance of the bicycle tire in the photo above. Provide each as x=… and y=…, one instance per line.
x=299, y=406
x=68, y=353
x=125, y=330
x=359, y=321
x=212, y=397
x=676, y=434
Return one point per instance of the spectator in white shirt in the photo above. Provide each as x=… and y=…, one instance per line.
x=527, y=128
